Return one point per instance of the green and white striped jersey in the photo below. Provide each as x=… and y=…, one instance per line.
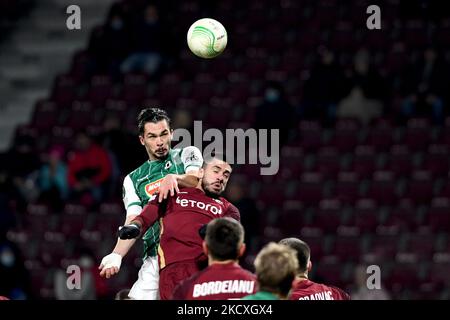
x=142, y=183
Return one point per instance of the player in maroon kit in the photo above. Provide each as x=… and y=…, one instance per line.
x=305, y=289
x=223, y=279
x=181, y=216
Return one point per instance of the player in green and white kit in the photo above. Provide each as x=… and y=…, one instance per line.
x=165, y=171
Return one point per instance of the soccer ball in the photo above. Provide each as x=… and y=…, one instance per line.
x=207, y=38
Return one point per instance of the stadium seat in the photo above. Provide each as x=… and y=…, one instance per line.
x=436, y=160
x=364, y=161
x=422, y=244
x=45, y=114
x=383, y=188
x=328, y=162
x=365, y=215
x=404, y=275
x=74, y=219
x=346, y=135
x=64, y=90
x=381, y=135
x=310, y=188
x=134, y=88
x=347, y=188
x=81, y=115
x=404, y=215
x=439, y=270
x=417, y=135
x=328, y=215
x=310, y=134
x=400, y=160
x=438, y=216
x=100, y=89
x=420, y=187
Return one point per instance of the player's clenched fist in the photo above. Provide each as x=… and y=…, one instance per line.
x=110, y=265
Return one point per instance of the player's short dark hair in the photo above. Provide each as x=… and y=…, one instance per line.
x=223, y=238
x=153, y=115
x=216, y=155
x=302, y=249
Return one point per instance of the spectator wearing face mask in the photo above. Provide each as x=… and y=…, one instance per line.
x=275, y=112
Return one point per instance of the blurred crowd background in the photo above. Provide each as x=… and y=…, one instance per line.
x=365, y=132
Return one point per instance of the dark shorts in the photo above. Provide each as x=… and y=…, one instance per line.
x=173, y=274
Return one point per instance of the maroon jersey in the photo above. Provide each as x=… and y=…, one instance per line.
x=308, y=290
x=217, y=282
x=181, y=217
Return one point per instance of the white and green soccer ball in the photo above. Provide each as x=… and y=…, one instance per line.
x=207, y=38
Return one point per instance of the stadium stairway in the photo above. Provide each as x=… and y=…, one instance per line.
x=39, y=48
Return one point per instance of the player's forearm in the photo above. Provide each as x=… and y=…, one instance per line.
x=123, y=246
x=187, y=180
x=147, y=217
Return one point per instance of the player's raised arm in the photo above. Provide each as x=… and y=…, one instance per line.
x=149, y=215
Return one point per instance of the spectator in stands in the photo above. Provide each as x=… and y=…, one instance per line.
x=7, y=216
x=362, y=292
x=124, y=148
x=275, y=112
x=110, y=44
x=223, y=244
x=22, y=166
x=357, y=105
x=14, y=278
x=324, y=88
x=305, y=289
x=52, y=180
x=89, y=170
x=276, y=266
x=365, y=76
x=424, y=87
x=147, y=43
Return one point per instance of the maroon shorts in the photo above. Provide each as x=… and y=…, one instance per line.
x=171, y=275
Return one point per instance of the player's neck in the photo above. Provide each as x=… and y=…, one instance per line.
x=217, y=262
x=302, y=277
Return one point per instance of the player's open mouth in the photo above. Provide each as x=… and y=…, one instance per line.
x=161, y=151
x=217, y=185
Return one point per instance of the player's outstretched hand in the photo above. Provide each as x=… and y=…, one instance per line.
x=129, y=231
x=110, y=265
x=169, y=185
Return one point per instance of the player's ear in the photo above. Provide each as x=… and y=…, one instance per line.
x=205, y=248
x=201, y=173
x=309, y=266
x=241, y=250
x=141, y=139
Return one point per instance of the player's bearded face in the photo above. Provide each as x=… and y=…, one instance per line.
x=215, y=177
x=156, y=139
